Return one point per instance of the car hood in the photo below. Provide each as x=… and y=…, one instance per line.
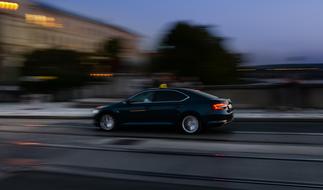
x=109, y=106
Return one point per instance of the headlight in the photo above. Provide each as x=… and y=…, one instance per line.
x=95, y=111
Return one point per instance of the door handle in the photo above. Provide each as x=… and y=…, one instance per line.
x=138, y=110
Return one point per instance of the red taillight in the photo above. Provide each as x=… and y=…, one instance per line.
x=219, y=106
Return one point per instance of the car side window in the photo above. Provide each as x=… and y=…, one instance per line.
x=167, y=96
x=145, y=97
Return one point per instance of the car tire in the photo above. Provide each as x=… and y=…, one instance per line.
x=107, y=122
x=190, y=124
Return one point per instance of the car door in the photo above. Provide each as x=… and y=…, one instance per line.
x=135, y=108
x=165, y=106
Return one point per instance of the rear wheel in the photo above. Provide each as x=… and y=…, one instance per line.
x=191, y=124
x=107, y=122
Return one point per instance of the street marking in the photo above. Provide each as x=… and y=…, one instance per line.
x=181, y=153
x=276, y=133
x=101, y=141
x=33, y=125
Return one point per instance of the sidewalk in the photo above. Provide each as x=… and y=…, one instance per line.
x=69, y=111
x=43, y=110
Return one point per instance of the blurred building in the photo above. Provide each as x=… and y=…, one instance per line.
x=27, y=25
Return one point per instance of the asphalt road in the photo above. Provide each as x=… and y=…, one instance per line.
x=72, y=154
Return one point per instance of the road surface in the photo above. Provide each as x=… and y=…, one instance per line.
x=72, y=154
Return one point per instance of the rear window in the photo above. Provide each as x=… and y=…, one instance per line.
x=204, y=94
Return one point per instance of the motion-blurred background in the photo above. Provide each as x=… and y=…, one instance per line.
x=49, y=52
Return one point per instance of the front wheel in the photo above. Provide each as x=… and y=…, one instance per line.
x=190, y=124
x=107, y=122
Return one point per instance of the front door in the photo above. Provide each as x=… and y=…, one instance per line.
x=135, y=110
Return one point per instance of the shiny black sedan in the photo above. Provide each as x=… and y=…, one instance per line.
x=189, y=110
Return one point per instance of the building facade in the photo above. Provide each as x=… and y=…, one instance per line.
x=28, y=25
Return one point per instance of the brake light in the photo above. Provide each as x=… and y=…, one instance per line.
x=219, y=106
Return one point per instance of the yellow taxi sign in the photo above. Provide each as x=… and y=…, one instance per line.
x=163, y=86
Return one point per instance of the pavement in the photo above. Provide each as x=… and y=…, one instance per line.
x=74, y=110
x=57, y=144
x=72, y=154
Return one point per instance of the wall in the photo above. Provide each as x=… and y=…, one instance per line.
x=116, y=87
x=285, y=96
x=250, y=97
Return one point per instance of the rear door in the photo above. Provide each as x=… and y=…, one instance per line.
x=165, y=106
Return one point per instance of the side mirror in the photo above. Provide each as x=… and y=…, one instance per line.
x=128, y=101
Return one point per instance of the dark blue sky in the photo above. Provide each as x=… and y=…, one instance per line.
x=268, y=30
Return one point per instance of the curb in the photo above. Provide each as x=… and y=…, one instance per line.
x=267, y=119
x=42, y=117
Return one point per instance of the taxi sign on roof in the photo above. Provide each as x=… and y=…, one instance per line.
x=163, y=86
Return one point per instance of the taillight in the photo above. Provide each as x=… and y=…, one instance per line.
x=219, y=106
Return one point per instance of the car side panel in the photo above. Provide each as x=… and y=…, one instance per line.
x=132, y=113
x=163, y=113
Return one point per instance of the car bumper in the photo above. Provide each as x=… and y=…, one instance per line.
x=219, y=120
x=95, y=118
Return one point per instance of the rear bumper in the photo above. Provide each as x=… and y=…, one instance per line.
x=219, y=120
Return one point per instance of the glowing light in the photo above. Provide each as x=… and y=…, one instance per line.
x=27, y=143
x=43, y=20
x=9, y=6
x=220, y=106
x=101, y=75
x=45, y=77
x=163, y=86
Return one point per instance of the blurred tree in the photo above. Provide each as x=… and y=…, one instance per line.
x=113, y=49
x=48, y=70
x=193, y=51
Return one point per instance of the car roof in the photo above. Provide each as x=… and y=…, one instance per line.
x=182, y=90
x=165, y=89
x=188, y=91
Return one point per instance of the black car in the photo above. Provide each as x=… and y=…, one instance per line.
x=190, y=110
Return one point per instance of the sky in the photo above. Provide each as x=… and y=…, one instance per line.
x=266, y=31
